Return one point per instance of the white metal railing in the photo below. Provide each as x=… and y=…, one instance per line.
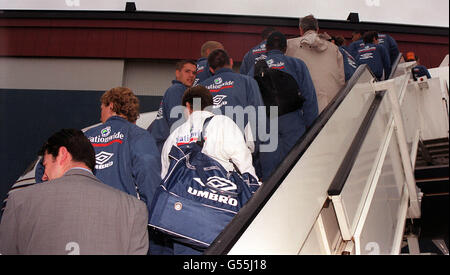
x=379, y=193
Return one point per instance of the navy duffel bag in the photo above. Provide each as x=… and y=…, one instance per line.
x=198, y=197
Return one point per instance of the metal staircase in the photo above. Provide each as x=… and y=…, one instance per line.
x=369, y=177
x=432, y=178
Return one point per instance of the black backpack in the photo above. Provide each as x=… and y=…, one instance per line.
x=278, y=88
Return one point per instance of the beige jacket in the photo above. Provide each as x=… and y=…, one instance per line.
x=325, y=64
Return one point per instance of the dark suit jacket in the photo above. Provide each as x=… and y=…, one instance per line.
x=74, y=214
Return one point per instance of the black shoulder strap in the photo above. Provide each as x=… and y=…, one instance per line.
x=201, y=141
x=413, y=74
x=261, y=68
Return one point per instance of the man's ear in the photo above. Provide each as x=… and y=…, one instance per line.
x=231, y=62
x=189, y=107
x=111, y=107
x=63, y=155
x=177, y=74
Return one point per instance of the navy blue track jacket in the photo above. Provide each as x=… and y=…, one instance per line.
x=234, y=90
x=160, y=127
x=420, y=70
x=377, y=57
x=291, y=126
x=349, y=63
x=390, y=44
x=251, y=57
x=126, y=158
x=354, y=46
x=230, y=89
x=203, y=71
x=383, y=39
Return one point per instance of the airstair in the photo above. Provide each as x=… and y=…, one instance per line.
x=361, y=179
x=368, y=177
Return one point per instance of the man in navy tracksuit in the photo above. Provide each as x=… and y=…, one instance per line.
x=231, y=90
x=354, y=46
x=291, y=126
x=126, y=155
x=383, y=39
x=349, y=61
x=374, y=55
x=258, y=51
x=203, y=71
x=418, y=70
x=170, y=113
x=390, y=44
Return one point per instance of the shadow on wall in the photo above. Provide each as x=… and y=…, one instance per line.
x=29, y=117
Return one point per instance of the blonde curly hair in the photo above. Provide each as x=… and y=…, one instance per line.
x=124, y=102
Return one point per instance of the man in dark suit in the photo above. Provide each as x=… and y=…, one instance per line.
x=73, y=212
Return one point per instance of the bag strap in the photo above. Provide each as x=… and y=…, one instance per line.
x=260, y=68
x=201, y=142
x=200, y=169
x=413, y=75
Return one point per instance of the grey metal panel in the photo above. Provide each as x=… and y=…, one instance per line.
x=60, y=73
x=149, y=77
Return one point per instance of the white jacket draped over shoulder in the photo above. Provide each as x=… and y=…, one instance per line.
x=224, y=141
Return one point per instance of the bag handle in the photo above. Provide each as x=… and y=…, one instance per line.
x=201, y=142
x=200, y=168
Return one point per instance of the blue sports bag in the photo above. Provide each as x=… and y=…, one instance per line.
x=198, y=197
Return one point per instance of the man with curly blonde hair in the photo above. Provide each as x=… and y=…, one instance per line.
x=126, y=155
x=122, y=102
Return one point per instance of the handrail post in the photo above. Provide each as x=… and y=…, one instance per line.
x=414, y=209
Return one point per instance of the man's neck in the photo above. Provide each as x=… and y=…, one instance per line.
x=78, y=165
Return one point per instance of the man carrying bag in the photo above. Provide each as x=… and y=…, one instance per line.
x=207, y=177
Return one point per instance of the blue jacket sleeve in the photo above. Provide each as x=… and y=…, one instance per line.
x=39, y=172
x=159, y=128
x=349, y=63
x=386, y=61
x=393, y=48
x=251, y=72
x=245, y=65
x=353, y=48
x=146, y=165
x=427, y=73
x=254, y=99
x=310, y=106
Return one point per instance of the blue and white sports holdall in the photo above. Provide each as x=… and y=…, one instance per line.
x=198, y=197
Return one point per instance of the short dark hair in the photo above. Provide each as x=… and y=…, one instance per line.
x=77, y=144
x=198, y=91
x=266, y=32
x=276, y=41
x=359, y=31
x=369, y=36
x=339, y=40
x=180, y=64
x=218, y=59
x=308, y=23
